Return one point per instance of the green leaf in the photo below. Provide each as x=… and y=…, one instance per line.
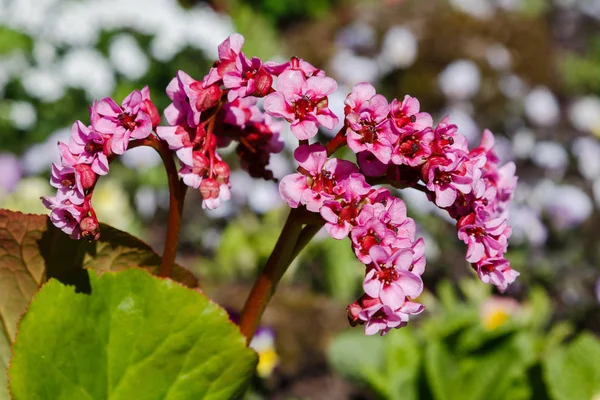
x=389, y=364
x=573, y=372
x=11, y=40
x=32, y=249
x=134, y=337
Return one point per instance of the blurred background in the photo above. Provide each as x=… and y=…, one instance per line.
x=529, y=70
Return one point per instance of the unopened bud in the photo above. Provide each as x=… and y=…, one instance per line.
x=206, y=97
x=262, y=82
x=209, y=189
x=149, y=108
x=353, y=310
x=221, y=171
x=87, y=177
x=201, y=163
x=90, y=228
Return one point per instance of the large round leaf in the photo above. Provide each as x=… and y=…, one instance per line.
x=134, y=336
x=32, y=250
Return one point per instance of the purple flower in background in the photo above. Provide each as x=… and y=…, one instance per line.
x=11, y=172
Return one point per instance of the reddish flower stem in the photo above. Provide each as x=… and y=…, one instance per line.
x=278, y=262
x=177, y=192
x=337, y=142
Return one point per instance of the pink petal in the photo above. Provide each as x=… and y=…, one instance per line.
x=291, y=84
x=392, y=295
x=291, y=188
x=410, y=283
x=304, y=129
x=276, y=105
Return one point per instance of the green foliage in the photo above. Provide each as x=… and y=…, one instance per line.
x=285, y=11
x=11, y=40
x=33, y=250
x=573, y=372
x=133, y=337
x=462, y=350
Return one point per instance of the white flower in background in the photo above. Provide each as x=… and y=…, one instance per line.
x=45, y=84
x=587, y=151
x=127, y=57
x=87, y=69
x=584, y=114
x=527, y=226
x=523, y=143
x=541, y=107
x=351, y=69
x=23, y=115
x=399, y=49
x=264, y=196
x=567, y=206
x=498, y=57
x=358, y=35
x=460, y=80
x=146, y=201
x=44, y=52
x=140, y=158
x=550, y=156
x=39, y=157
x=482, y=9
x=512, y=87
x=12, y=64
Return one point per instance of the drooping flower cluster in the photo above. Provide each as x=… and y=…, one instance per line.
x=397, y=144
x=87, y=156
x=211, y=113
x=394, y=143
x=383, y=237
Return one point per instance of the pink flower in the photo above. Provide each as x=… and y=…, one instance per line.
x=149, y=108
x=88, y=147
x=340, y=215
x=178, y=139
x=302, y=102
x=193, y=173
x=64, y=215
x=228, y=53
x=484, y=238
x=406, y=116
x=317, y=180
x=497, y=271
x=389, y=278
x=413, y=148
x=447, y=139
x=369, y=127
x=123, y=123
x=249, y=78
x=369, y=164
x=241, y=111
x=295, y=64
x=447, y=176
x=179, y=112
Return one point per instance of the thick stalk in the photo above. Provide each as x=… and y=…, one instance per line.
x=177, y=192
x=267, y=281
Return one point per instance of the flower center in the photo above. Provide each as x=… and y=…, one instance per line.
x=127, y=121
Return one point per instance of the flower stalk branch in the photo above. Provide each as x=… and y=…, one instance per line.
x=177, y=191
x=278, y=262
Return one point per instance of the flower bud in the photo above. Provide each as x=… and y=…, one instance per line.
x=90, y=228
x=353, y=310
x=209, y=189
x=149, y=108
x=201, y=163
x=86, y=176
x=263, y=82
x=206, y=97
x=221, y=171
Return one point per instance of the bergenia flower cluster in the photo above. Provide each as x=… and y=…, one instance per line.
x=244, y=100
x=87, y=156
